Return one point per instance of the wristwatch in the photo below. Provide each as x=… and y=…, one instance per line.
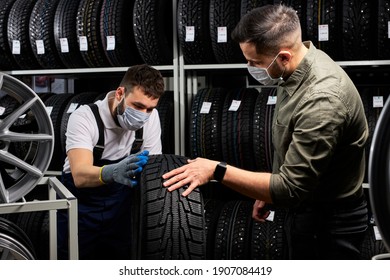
x=220, y=171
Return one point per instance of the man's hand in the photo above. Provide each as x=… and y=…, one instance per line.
x=260, y=213
x=197, y=172
x=125, y=171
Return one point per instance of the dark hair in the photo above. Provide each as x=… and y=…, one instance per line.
x=268, y=27
x=146, y=77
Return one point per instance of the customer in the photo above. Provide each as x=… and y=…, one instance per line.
x=319, y=133
x=100, y=169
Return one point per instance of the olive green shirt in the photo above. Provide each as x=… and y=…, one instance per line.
x=319, y=134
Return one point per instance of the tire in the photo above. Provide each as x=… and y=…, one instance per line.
x=18, y=29
x=114, y=21
x=7, y=61
x=378, y=170
x=153, y=26
x=167, y=225
x=88, y=25
x=195, y=13
x=165, y=108
x=41, y=28
x=225, y=13
x=65, y=20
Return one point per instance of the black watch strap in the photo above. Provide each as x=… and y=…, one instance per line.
x=220, y=171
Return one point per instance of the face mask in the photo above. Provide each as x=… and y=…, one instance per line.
x=262, y=76
x=132, y=119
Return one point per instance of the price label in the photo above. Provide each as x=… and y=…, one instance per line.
x=40, y=46
x=222, y=34
x=271, y=100
x=323, y=32
x=190, y=34
x=72, y=108
x=377, y=101
x=15, y=47
x=110, y=43
x=83, y=42
x=235, y=105
x=206, y=106
x=64, y=45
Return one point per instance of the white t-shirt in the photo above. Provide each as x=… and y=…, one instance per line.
x=82, y=132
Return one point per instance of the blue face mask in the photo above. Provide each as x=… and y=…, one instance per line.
x=132, y=119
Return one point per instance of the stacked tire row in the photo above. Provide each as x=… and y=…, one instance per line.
x=46, y=34
x=60, y=106
x=237, y=127
x=98, y=33
x=356, y=30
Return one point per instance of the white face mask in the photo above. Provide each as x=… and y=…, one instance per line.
x=132, y=119
x=262, y=76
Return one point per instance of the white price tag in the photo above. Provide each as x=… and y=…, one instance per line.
x=377, y=233
x=388, y=29
x=222, y=34
x=271, y=216
x=206, y=106
x=15, y=47
x=235, y=105
x=72, y=107
x=64, y=45
x=2, y=110
x=40, y=47
x=271, y=100
x=83, y=42
x=110, y=43
x=377, y=101
x=190, y=34
x=323, y=32
x=49, y=109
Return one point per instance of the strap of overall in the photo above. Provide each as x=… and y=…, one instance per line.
x=99, y=148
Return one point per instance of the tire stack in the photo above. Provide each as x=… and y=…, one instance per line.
x=58, y=34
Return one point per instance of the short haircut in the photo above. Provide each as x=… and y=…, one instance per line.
x=269, y=28
x=146, y=77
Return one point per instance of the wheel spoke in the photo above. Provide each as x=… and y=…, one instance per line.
x=10, y=120
x=24, y=137
x=15, y=161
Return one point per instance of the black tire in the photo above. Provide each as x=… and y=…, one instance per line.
x=64, y=27
x=378, y=171
x=357, y=30
x=114, y=21
x=88, y=25
x=41, y=28
x=225, y=13
x=167, y=225
x=58, y=104
x=383, y=44
x=165, y=108
x=153, y=28
x=18, y=29
x=205, y=129
x=7, y=61
x=195, y=13
x=233, y=232
x=325, y=13
x=76, y=101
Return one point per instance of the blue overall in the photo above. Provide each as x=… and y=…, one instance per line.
x=104, y=216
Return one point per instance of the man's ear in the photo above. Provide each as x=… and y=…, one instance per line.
x=285, y=56
x=119, y=93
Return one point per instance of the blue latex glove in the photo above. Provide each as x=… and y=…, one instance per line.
x=125, y=171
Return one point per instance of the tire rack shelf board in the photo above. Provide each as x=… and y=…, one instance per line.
x=66, y=200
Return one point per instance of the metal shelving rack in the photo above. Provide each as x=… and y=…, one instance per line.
x=65, y=200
